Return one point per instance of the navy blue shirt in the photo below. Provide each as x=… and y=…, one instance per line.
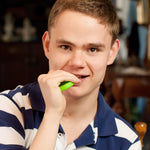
x=22, y=110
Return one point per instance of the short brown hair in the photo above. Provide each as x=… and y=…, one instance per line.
x=103, y=10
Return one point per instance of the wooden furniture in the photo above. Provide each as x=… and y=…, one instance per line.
x=129, y=87
x=131, y=82
x=141, y=128
x=124, y=83
x=121, y=86
x=21, y=63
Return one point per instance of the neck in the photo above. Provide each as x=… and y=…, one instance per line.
x=81, y=107
x=79, y=113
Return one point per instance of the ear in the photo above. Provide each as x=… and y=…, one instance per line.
x=113, y=52
x=46, y=41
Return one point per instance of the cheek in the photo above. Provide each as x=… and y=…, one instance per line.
x=99, y=63
x=56, y=61
x=99, y=69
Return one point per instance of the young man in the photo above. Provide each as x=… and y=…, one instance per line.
x=80, y=42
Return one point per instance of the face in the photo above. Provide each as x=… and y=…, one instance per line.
x=79, y=44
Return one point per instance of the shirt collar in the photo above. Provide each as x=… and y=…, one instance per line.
x=104, y=120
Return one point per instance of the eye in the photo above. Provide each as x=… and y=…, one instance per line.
x=93, y=50
x=65, y=47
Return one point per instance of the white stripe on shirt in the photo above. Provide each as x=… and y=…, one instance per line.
x=136, y=146
x=25, y=102
x=124, y=131
x=7, y=106
x=29, y=136
x=10, y=136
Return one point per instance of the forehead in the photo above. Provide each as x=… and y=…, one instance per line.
x=80, y=26
x=68, y=14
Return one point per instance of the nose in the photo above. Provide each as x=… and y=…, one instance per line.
x=77, y=59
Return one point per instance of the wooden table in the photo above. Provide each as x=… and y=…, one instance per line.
x=131, y=83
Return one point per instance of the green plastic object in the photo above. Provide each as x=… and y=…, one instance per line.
x=66, y=85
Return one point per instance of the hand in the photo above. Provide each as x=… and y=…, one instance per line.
x=49, y=83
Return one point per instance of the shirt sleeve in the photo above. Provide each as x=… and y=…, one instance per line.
x=136, y=146
x=12, y=135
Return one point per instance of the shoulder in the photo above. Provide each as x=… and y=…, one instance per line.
x=14, y=117
x=17, y=96
x=127, y=132
x=113, y=130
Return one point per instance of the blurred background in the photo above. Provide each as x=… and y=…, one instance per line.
x=22, y=24
x=126, y=87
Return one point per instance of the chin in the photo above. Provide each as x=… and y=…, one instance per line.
x=73, y=93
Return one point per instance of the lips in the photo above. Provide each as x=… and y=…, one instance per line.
x=83, y=76
x=82, y=79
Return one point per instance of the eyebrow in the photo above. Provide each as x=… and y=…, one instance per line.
x=64, y=42
x=96, y=45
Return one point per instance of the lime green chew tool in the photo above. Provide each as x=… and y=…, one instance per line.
x=66, y=85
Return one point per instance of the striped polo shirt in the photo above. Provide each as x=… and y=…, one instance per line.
x=22, y=110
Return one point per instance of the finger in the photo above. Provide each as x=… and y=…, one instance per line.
x=67, y=76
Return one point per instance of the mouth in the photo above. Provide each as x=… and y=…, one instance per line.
x=83, y=76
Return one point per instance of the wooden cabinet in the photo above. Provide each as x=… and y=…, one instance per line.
x=21, y=63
